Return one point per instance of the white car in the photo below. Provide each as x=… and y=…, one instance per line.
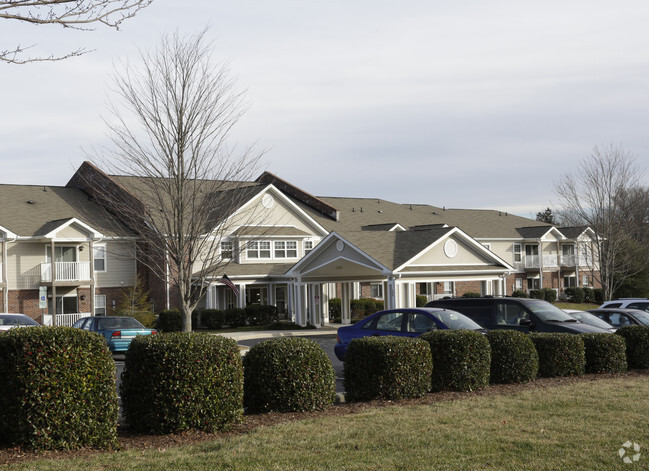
x=641, y=304
x=9, y=321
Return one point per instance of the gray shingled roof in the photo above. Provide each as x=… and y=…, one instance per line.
x=269, y=231
x=32, y=211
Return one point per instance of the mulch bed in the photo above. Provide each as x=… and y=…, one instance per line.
x=130, y=441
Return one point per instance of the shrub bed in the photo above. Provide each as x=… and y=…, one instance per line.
x=288, y=374
x=461, y=360
x=387, y=367
x=57, y=389
x=513, y=357
x=519, y=293
x=559, y=354
x=181, y=381
x=605, y=353
x=170, y=320
x=235, y=317
x=637, y=345
x=212, y=319
x=574, y=294
x=549, y=295
x=261, y=314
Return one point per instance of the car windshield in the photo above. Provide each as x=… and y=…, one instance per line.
x=591, y=319
x=118, y=323
x=17, y=320
x=455, y=320
x=547, y=312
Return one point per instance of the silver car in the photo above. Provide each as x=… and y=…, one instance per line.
x=9, y=321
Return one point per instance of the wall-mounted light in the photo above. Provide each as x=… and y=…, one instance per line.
x=82, y=297
x=81, y=248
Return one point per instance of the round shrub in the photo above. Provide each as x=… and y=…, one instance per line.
x=560, y=354
x=589, y=295
x=637, y=345
x=420, y=300
x=261, y=314
x=181, y=381
x=212, y=319
x=513, y=357
x=57, y=389
x=575, y=294
x=605, y=353
x=537, y=294
x=170, y=320
x=387, y=367
x=519, y=293
x=288, y=374
x=461, y=360
x=335, y=308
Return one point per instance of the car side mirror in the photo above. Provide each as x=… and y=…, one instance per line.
x=525, y=322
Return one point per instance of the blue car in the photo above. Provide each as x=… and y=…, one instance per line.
x=407, y=322
x=117, y=330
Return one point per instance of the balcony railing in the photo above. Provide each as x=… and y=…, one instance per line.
x=66, y=271
x=65, y=320
x=534, y=261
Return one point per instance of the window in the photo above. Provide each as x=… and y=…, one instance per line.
x=569, y=281
x=226, y=249
x=258, y=250
x=99, y=255
x=420, y=323
x=100, y=305
x=390, y=321
x=308, y=246
x=518, y=256
x=448, y=287
x=286, y=249
x=533, y=283
x=376, y=290
x=518, y=283
x=585, y=281
x=61, y=254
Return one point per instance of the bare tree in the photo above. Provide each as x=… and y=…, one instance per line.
x=169, y=145
x=75, y=14
x=598, y=196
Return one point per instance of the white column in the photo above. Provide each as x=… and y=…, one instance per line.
x=345, y=312
x=390, y=294
x=241, y=300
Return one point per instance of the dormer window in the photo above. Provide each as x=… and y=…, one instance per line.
x=227, y=250
x=308, y=246
x=256, y=250
x=285, y=249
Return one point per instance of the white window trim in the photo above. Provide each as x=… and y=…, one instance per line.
x=518, y=252
x=231, y=249
x=98, y=304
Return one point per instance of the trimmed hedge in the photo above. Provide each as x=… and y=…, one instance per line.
x=57, y=389
x=288, y=374
x=574, y=294
x=637, y=345
x=421, y=300
x=519, y=293
x=513, y=357
x=461, y=360
x=549, y=295
x=361, y=308
x=589, y=295
x=605, y=353
x=261, y=314
x=170, y=320
x=235, y=317
x=537, y=294
x=212, y=319
x=387, y=367
x=335, y=311
x=560, y=354
x=181, y=381
x=598, y=294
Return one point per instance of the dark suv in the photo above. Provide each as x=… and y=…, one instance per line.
x=523, y=314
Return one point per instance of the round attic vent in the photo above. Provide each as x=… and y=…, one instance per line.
x=450, y=248
x=267, y=201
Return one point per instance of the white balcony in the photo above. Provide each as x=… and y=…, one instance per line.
x=534, y=261
x=64, y=320
x=66, y=271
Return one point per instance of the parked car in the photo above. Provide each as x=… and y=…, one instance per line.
x=523, y=314
x=117, y=330
x=9, y=321
x=407, y=322
x=621, y=317
x=627, y=303
x=589, y=318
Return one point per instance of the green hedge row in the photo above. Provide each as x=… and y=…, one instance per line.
x=180, y=381
x=387, y=367
x=637, y=345
x=57, y=389
x=546, y=294
x=578, y=294
x=288, y=374
x=560, y=354
x=513, y=357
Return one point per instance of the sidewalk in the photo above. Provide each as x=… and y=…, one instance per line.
x=328, y=329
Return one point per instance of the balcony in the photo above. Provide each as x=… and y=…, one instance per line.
x=534, y=261
x=66, y=271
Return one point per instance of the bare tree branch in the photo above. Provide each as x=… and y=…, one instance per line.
x=598, y=196
x=74, y=14
x=168, y=134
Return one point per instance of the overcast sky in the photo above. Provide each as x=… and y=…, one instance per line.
x=471, y=104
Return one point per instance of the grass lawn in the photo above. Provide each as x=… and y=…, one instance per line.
x=579, y=306
x=573, y=426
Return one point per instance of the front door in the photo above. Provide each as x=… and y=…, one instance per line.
x=65, y=305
